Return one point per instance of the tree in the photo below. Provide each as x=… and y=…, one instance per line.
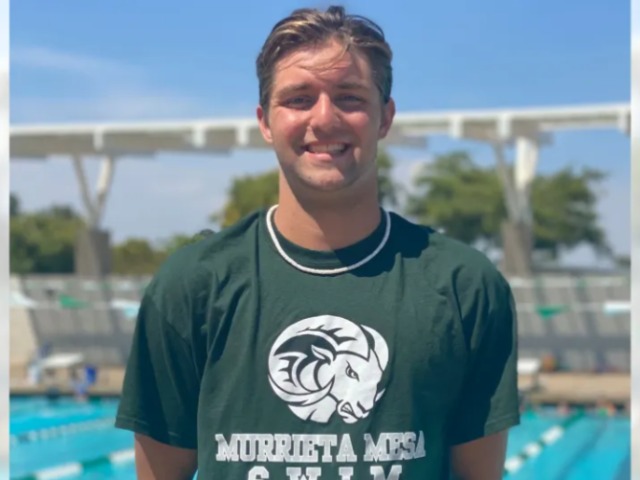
x=455, y=195
x=252, y=192
x=564, y=211
x=248, y=193
x=14, y=205
x=623, y=261
x=43, y=242
x=136, y=256
x=387, y=188
x=468, y=203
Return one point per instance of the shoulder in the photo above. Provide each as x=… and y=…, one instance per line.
x=190, y=270
x=208, y=250
x=478, y=293
x=450, y=263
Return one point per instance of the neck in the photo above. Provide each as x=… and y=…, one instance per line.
x=329, y=225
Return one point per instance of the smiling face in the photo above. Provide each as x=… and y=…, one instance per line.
x=324, y=119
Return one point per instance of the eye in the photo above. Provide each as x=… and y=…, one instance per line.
x=350, y=373
x=350, y=103
x=350, y=98
x=298, y=102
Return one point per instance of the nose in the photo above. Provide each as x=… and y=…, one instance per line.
x=324, y=115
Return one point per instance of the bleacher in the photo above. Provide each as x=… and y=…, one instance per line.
x=580, y=322
x=72, y=314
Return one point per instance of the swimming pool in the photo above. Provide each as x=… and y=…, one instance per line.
x=79, y=441
x=77, y=438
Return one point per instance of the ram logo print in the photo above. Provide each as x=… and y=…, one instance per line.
x=328, y=364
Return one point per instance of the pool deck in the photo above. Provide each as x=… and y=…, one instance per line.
x=550, y=388
x=577, y=388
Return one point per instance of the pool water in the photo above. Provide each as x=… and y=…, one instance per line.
x=594, y=447
x=46, y=435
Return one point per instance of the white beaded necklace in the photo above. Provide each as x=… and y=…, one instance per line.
x=332, y=271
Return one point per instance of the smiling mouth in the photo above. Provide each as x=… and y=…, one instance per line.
x=327, y=149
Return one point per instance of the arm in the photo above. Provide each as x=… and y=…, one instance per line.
x=161, y=387
x=481, y=459
x=159, y=461
x=488, y=403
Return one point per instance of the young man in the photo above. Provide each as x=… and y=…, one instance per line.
x=323, y=338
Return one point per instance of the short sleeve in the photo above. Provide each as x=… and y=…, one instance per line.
x=162, y=379
x=488, y=402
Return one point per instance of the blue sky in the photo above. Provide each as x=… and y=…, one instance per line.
x=89, y=61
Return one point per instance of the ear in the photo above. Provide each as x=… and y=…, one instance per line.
x=263, y=123
x=322, y=353
x=388, y=112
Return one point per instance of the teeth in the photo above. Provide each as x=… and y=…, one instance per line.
x=328, y=148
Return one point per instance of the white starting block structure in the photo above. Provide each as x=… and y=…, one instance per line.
x=526, y=129
x=530, y=367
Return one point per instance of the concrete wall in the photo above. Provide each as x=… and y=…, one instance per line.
x=22, y=338
x=73, y=314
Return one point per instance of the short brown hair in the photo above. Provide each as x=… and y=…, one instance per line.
x=310, y=27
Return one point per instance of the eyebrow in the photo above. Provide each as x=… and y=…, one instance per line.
x=352, y=86
x=299, y=87
x=294, y=88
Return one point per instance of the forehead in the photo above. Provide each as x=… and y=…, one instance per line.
x=329, y=63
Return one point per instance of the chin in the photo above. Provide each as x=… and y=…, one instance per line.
x=326, y=185
x=328, y=179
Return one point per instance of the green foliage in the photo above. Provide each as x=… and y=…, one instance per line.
x=14, y=205
x=43, y=241
x=623, y=261
x=248, y=193
x=136, y=256
x=452, y=193
x=467, y=201
x=387, y=188
x=564, y=211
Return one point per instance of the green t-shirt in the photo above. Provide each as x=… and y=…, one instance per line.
x=274, y=373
